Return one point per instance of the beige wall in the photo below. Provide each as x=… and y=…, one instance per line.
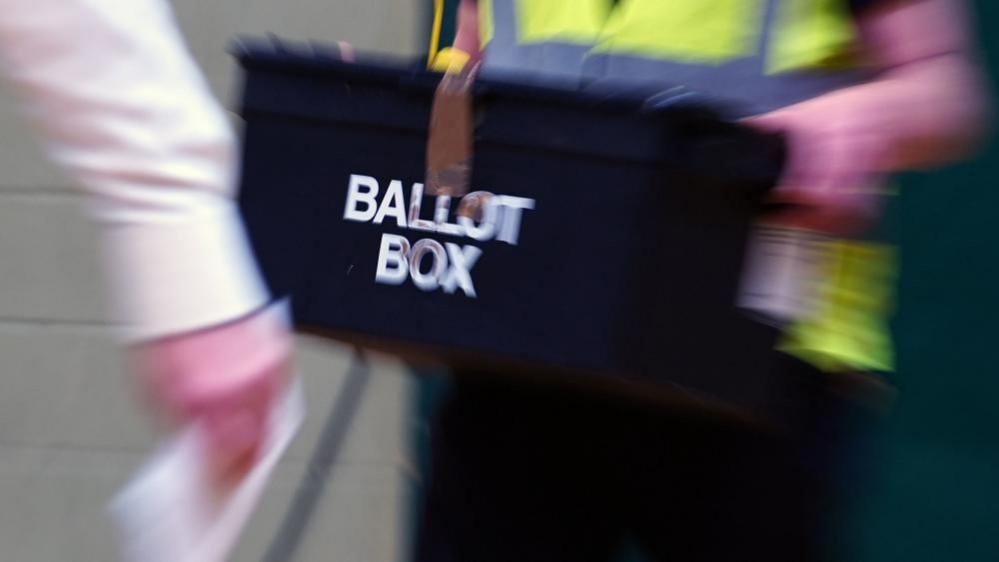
x=70, y=433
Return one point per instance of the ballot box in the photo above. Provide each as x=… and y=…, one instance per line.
x=601, y=241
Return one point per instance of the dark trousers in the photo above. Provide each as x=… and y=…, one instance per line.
x=523, y=473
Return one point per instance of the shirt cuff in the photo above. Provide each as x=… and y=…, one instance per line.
x=171, y=278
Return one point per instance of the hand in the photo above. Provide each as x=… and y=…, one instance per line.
x=224, y=378
x=839, y=150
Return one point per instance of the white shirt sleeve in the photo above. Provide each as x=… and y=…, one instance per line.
x=121, y=106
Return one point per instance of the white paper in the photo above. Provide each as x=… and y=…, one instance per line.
x=167, y=513
x=780, y=278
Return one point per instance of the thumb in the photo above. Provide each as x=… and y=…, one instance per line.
x=779, y=121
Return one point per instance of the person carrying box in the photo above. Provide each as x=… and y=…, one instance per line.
x=860, y=89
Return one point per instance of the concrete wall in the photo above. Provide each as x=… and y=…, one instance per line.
x=70, y=434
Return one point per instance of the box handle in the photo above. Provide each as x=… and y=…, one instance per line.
x=450, y=135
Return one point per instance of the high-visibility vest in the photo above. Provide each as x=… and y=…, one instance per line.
x=772, y=52
x=763, y=53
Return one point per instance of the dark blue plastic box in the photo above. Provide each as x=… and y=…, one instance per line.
x=624, y=272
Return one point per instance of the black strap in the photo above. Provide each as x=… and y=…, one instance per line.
x=319, y=471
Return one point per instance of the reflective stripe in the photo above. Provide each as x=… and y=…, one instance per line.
x=545, y=62
x=503, y=40
x=738, y=82
x=548, y=60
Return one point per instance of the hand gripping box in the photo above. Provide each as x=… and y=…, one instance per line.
x=601, y=239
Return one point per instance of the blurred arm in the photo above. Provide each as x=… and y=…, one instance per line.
x=122, y=108
x=926, y=107
x=931, y=92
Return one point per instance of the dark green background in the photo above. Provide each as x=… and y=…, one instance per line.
x=936, y=497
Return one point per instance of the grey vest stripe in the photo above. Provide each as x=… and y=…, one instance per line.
x=743, y=81
x=738, y=83
x=549, y=61
x=501, y=51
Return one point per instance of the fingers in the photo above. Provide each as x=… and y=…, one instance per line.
x=798, y=147
x=830, y=169
x=236, y=430
x=347, y=53
x=236, y=423
x=225, y=380
x=234, y=441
